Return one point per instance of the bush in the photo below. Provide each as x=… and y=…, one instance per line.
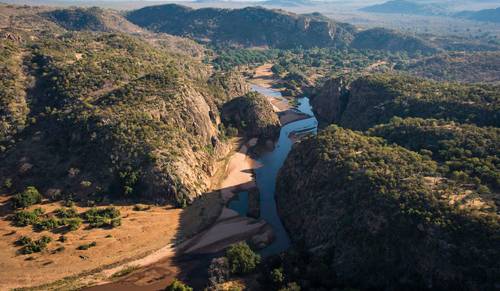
x=277, y=276
x=241, y=259
x=30, y=246
x=48, y=224
x=28, y=197
x=25, y=218
x=177, y=285
x=73, y=223
x=66, y=212
x=105, y=217
x=86, y=246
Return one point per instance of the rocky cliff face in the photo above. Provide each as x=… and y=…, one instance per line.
x=253, y=116
x=112, y=115
x=375, y=99
x=368, y=217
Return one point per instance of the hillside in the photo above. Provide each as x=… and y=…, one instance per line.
x=375, y=216
x=490, y=15
x=251, y=26
x=464, y=152
x=94, y=115
x=406, y=7
x=375, y=99
x=390, y=40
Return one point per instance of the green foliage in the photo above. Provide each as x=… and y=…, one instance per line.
x=25, y=218
x=177, y=285
x=229, y=58
x=463, y=151
x=29, y=246
x=48, y=224
x=85, y=247
x=291, y=287
x=241, y=259
x=28, y=197
x=366, y=201
x=69, y=212
x=377, y=98
x=104, y=217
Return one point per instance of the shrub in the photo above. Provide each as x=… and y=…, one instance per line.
x=177, y=285
x=241, y=259
x=277, y=276
x=30, y=246
x=25, y=218
x=48, y=224
x=86, y=246
x=73, y=223
x=28, y=197
x=66, y=212
x=105, y=217
x=63, y=238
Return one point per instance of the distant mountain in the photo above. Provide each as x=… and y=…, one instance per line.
x=491, y=15
x=250, y=26
x=287, y=3
x=406, y=7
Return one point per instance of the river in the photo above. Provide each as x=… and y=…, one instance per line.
x=266, y=174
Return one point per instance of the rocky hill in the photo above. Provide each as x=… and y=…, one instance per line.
x=252, y=115
x=94, y=115
x=375, y=99
x=251, y=26
x=378, y=216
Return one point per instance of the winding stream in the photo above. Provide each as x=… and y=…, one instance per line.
x=266, y=175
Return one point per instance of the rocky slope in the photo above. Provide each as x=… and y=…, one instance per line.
x=252, y=115
x=375, y=99
x=375, y=216
x=107, y=114
x=251, y=26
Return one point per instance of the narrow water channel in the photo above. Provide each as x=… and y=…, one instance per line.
x=265, y=175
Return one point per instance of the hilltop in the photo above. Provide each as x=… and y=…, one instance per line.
x=251, y=26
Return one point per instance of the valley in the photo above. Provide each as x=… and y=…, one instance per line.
x=234, y=146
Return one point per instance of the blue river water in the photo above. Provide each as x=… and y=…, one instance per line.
x=266, y=175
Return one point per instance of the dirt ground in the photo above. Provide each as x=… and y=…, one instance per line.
x=141, y=232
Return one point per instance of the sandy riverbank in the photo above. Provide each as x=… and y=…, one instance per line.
x=160, y=268
x=264, y=77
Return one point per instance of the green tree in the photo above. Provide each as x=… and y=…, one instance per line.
x=177, y=285
x=242, y=260
x=28, y=197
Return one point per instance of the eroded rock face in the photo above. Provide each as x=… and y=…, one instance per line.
x=330, y=101
x=253, y=116
x=364, y=209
